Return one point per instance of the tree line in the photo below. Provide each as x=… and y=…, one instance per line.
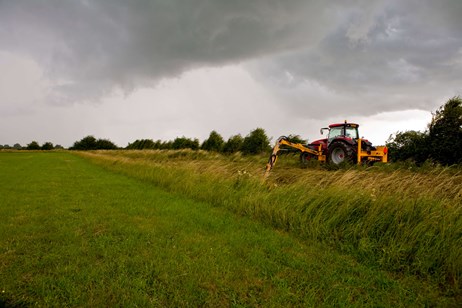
x=440, y=143
x=255, y=142
x=34, y=145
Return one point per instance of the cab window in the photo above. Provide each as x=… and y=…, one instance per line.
x=335, y=132
x=352, y=132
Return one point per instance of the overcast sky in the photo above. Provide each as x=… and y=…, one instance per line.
x=160, y=69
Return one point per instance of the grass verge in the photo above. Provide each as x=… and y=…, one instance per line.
x=74, y=234
x=399, y=220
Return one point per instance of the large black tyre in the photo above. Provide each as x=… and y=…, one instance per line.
x=340, y=152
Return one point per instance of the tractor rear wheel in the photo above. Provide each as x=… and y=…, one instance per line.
x=340, y=152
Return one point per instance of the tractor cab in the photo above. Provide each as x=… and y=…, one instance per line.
x=346, y=131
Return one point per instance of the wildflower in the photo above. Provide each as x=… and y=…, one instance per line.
x=373, y=195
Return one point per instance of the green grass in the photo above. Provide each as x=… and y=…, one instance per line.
x=399, y=220
x=164, y=232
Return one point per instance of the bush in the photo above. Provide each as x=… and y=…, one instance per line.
x=141, y=144
x=185, y=143
x=410, y=145
x=213, y=143
x=47, y=146
x=233, y=145
x=445, y=133
x=90, y=143
x=442, y=143
x=33, y=146
x=105, y=144
x=294, y=139
x=256, y=142
x=164, y=145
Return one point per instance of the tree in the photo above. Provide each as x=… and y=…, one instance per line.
x=17, y=146
x=233, y=145
x=185, y=143
x=141, y=144
x=105, y=144
x=213, y=143
x=256, y=142
x=442, y=143
x=166, y=145
x=409, y=145
x=157, y=145
x=59, y=147
x=133, y=146
x=47, y=146
x=445, y=133
x=86, y=143
x=90, y=143
x=33, y=146
x=294, y=139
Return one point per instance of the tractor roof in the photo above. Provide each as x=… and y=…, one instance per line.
x=341, y=124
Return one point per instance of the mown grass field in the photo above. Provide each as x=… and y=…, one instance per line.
x=160, y=228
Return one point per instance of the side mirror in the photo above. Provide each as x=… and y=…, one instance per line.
x=323, y=129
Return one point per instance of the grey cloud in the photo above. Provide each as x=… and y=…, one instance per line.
x=385, y=56
x=357, y=56
x=89, y=47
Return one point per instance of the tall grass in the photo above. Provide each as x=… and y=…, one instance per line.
x=399, y=220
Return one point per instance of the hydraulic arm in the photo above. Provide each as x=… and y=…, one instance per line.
x=283, y=140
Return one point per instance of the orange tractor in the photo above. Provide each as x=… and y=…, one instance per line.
x=341, y=145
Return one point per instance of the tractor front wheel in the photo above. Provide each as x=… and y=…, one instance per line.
x=340, y=152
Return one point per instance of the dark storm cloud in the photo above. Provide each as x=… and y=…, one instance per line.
x=357, y=56
x=91, y=46
x=383, y=56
